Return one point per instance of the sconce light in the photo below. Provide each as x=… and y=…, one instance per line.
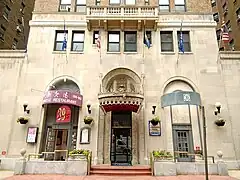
x=218, y=107
x=153, y=111
x=89, y=107
x=25, y=105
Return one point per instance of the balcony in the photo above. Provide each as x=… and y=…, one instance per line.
x=121, y=17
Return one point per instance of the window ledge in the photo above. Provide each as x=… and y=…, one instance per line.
x=168, y=53
x=130, y=52
x=185, y=53
x=59, y=52
x=76, y=52
x=113, y=52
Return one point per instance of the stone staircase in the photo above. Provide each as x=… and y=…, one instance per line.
x=107, y=170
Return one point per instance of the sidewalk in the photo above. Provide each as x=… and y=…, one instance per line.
x=234, y=173
x=5, y=174
x=61, y=177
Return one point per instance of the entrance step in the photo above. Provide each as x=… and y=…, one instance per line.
x=107, y=170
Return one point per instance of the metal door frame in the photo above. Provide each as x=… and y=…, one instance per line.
x=188, y=129
x=129, y=161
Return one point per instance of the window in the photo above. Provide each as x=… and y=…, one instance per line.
x=95, y=36
x=216, y=17
x=228, y=24
x=186, y=40
x=218, y=33
x=1, y=36
x=213, y=2
x=130, y=41
x=59, y=40
x=225, y=9
x=130, y=2
x=6, y=12
x=149, y=36
x=114, y=2
x=232, y=45
x=78, y=41
x=81, y=6
x=22, y=8
x=97, y=2
x=180, y=5
x=238, y=14
x=14, y=45
x=113, y=41
x=164, y=5
x=166, y=41
x=65, y=5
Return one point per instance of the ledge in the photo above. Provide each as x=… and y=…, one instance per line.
x=12, y=53
x=229, y=55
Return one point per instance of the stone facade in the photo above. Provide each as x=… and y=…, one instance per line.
x=26, y=76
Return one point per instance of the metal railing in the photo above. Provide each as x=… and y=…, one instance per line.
x=89, y=162
x=190, y=154
x=152, y=163
x=35, y=155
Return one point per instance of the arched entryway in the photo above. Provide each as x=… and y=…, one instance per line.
x=62, y=101
x=181, y=105
x=120, y=101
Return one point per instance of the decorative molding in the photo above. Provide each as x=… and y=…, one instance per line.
x=56, y=23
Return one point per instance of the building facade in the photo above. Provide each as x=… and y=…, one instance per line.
x=14, y=21
x=122, y=84
x=229, y=12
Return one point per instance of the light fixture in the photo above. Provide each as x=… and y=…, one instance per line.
x=153, y=111
x=25, y=105
x=89, y=107
x=218, y=106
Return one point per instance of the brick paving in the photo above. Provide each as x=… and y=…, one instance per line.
x=62, y=177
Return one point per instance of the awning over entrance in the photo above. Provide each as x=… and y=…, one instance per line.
x=62, y=97
x=120, y=102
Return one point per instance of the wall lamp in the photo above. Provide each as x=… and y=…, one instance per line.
x=89, y=107
x=25, y=105
x=153, y=111
x=218, y=108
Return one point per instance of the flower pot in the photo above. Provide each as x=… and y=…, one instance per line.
x=23, y=121
x=88, y=121
x=154, y=123
x=220, y=123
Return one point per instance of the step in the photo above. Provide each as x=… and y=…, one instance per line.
x=108, y=167
x=121, y=173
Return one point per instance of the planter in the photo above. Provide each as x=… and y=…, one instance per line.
x=88, y=120
x=220, y=123
x=22, y=120
x=154, y=123
x=163, y=159
x=77, y=157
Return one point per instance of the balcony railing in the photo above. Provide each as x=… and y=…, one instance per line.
x=122, y=11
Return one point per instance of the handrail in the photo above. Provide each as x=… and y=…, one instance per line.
x=190, y=154
x=152, y=163
x=89, y=162
x=56, y=151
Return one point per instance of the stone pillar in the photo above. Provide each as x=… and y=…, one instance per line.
x=20, y=164
x=222, y=166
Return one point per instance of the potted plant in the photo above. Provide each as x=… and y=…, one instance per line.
x=155, y=120
x=88, y=120
x=79, y=154
x=162, y=155
x=22, y=120
x=220, y=122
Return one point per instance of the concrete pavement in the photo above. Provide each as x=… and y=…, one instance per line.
x=5, y=174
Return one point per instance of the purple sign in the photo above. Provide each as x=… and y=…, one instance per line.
x=62, y=97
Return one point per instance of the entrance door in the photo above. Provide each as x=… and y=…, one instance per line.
x=121, y=139
x=183, y=143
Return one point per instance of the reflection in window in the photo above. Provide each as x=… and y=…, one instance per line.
x=180, y=5
x=78, y=41
x=59, y=41
x=166, y=41
x=164, y=5
x=130, y=41
x=113, y=41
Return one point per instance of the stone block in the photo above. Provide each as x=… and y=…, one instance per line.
x=20, y=167
x=76, y=168
x=165, y=169
x=212, y=169
x=222, y=169
x=184, y=168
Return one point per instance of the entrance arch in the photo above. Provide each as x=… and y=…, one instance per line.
x=62, y=101
x=181, y=107
x=120, y=99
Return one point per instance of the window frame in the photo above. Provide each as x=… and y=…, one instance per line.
x=217, y=14
x=184, y=42
x=78, y=5
x=119, y=39
x=73, y=42
x=111, y=3
x=180, y=5
x=94, y=38
x=130, y=32
x=6, y=12
x=166, y=42
x=55, y=41
x=164, y=5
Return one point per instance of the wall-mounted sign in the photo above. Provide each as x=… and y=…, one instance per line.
x=63, y=114
x=85, y=135
x=32, y=134
x=154, y=130
x=62, y=97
